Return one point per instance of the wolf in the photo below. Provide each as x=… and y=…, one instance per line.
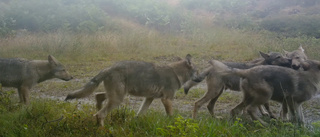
x=24, y=74
x=263, y=83
x=297, y=56
x=216, y=83
x=137, y=78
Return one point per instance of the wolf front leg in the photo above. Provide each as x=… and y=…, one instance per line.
x=24, y=94
x=167, y=105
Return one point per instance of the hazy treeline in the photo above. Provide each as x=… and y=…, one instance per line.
x=289, y=18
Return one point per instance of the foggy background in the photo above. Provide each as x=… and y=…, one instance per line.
x=288, y=18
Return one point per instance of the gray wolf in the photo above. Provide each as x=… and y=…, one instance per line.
x=24, y=74
x=263, y=83
x=297, y=56
x=139, y=79
x=217, y=83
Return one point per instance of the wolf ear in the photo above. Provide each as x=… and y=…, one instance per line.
x=300, y=48
x=52, y=60
x=188, y=58
x=286, y=52
x=264, y=55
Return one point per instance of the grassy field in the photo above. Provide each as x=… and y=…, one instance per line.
x=85, y=55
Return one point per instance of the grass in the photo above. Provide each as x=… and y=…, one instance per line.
x=85, y=55
x=55, y=118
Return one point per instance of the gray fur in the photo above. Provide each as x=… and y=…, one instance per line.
x=262, y=83
x=217, y=83
x=24, y=74
x=139, y=79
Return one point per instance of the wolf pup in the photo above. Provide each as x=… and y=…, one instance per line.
x=262, y=83
x=216, y=83
x=297, y=57
x=24, y=74
x=139, y=79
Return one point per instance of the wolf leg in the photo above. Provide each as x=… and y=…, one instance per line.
x=111, y=104
x=167, y=105
x=269, y=112
x=211, y=93
x=238, y=109
x=284, y=110
x=145, y=105
x=252, y=110
x=296, y=111
x=115, y=96
x=20, y=95
x=247, y=99
x=24, y=95
x=263, y=111
x=299, y=114
x=212, y=102
x=100, y=97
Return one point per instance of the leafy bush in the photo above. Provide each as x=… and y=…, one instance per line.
x=182, y=127
x=48, y=16
x=152, y=13
x=293, y=26
x=216, y=5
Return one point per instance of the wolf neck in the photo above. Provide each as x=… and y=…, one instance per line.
x=43, y=70
x=260, y=62
x=177, y=76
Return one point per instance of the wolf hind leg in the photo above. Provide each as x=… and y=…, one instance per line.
x=145, y=105
x=269, y=112
x=111, y=104
x=296, y=111
x=100, y=97
x=115, y=96
x=284, y=111
x=213, y=101
x=252, y=110
x=247, y=99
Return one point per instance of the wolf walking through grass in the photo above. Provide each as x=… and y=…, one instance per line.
x=263, y=83
x=137, y=78
x=24, y=74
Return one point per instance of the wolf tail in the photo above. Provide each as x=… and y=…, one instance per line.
x=189, y=84
x=225, y=70
x=89, y=87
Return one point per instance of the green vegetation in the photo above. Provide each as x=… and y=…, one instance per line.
x=89, y=36
x=45, y=117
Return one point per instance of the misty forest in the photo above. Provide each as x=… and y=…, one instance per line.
x=88, y=36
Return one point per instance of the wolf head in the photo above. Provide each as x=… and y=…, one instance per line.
x=185, y=69
x=297, y=56
x=276, y=58
x=58, y=70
